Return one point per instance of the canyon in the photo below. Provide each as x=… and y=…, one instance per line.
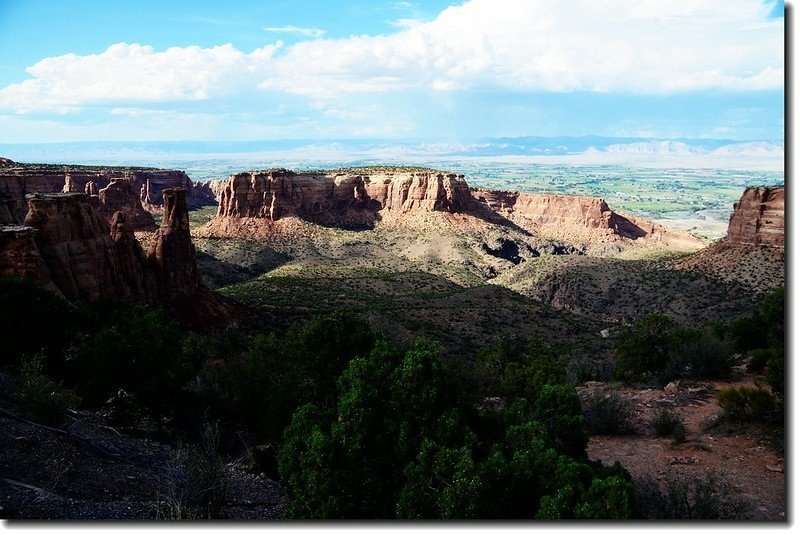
x=415, y=252
x=64, y=244
x=20, y=179
x=365, y=197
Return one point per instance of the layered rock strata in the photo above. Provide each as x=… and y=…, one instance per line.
x=66, y=244
x=368, y=196
x=578, y=218
x=19, y=256
x=76, y=246
x=19, y=180
x=172, y=255
x=119, y=196
x=320, y=196
x=753, y=251
x=758, y=218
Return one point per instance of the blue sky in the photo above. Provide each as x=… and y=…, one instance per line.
x=406, y=70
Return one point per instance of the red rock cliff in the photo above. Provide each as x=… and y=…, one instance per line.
x=119, y=196
x=66, y=241
x=75, y=244
x=575, y=217
x=20, y=256
x=279, y=193
x=172, y=254
x=19, y=180
x=758, y=218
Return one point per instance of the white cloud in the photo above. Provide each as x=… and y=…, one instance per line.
x=126, y=73
x=631, y=46
x=306, y=32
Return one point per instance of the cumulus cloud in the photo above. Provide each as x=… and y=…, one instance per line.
x=630, y=46
x=523, y=45
x=306, y=32
x=134, y=73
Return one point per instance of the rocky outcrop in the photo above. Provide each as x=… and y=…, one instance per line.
x=119, y=196
x=8, y=212
x=76, y=246
x=758, y=218
x=19, y=255
x=578, y=218
x=753, y=252
x=140, y=283
x=332, y=196
x=213, y=188
x=67, y=246
x=19, y=180
x=172, y=254
x=365, y=196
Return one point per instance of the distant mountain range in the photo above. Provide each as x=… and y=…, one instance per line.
x=725, y=153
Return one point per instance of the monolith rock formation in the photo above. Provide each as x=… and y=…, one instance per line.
x=753, y=251
x=66, y=245
x=171, y=253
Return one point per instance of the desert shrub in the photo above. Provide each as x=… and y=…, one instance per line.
x=38, y=397
x=698, y=354
x=608, y=413
x=208, y=397
x=402, y=441
x=139, y=351
x=765, y=327
x=668, y=423
x=608, y=498
x=760, y=358
x=197, y=480
x=644, y=347
x=746, y=404
x=776, y=373
x=656, y=347
x=558, y=409
x=508, y=371
x=33, y=320
x=707, y=497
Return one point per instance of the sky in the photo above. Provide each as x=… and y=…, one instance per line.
x=423, y=70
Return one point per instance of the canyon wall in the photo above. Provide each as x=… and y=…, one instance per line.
x=758, y=218
x=753, y=252
x=119, y=196
x=65, y=244
x=370, y=195
x=578, y=218
x=330, y=195
x=19, y=180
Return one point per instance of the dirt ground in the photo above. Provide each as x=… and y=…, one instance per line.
x=748, y=456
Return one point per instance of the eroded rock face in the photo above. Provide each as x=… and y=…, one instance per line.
x=213, y=188
x=119, y=196
x=66, y=245
x=8, y=212
x=753, y=252
x=172, y=254
x=758, y=218
x=578, y=218
x=19, y=180
x=20, y=256
x=140, y=283
x=76, y=246
x=329, y=195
